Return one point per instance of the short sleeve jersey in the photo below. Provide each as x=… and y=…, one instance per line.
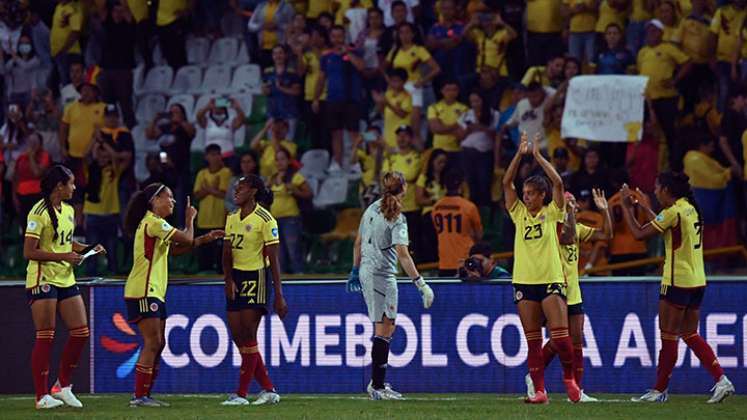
x=39, y=226
x=569, y=257
x=285, y=204
x=249, y=236
x=410, y=60
x=447, y=114
x=455, y=220
x=150, y=265
x=392, y=121
x=212, y=212
x=68, y=18
x=659, y=64
x=491, y=50
x=683, y=245
x=379, y=238
x=536, y=254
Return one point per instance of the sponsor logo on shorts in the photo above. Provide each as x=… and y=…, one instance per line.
x=518, y=295
x=45, y=288
x=153, y=307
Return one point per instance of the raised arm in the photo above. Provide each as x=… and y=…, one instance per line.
x=557, y=182
x=568, y=231
x=639, y=232
x=601, y=201
x=509, y=191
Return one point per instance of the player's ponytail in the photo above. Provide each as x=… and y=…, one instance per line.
x=139, y=204
x=678, y=185
x=54, y=176
x=392, y=186
x=264, y=196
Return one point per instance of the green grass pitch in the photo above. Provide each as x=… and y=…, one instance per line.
x=418, y=406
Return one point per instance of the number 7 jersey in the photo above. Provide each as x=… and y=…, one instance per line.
x=39, y=226
x=683, y=245
x=536, y=245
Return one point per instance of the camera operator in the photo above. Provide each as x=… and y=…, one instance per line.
x=480, y=265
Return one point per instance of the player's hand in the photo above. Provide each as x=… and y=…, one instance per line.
x=190, y=213
x=281, y=308
x=100, y=249
x=354, y=282
x=72, y=258
x=535, y=145
x=599, y=199
x=627, y=195
x=425, y=292
x=231, y=289
x=213, y=235
x=524, y=143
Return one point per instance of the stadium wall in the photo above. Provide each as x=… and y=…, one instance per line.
x=469, y=341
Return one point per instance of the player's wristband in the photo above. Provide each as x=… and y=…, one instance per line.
x=419, y=282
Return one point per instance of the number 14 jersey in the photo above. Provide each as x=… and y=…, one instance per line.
x=536, y=245
x=683, y=239
x=39, y=226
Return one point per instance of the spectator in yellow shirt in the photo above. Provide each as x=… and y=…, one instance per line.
x=443, y=117
x=171, y=20
x=698, y=42
x=491, y=35
x=395, y=104
x=368, y=153
x=210, y=189
x=549, y=75
x=667, y=14
x=726, y=24
x=582, y=19
x=266, y=148
x=666, y=66
x=635, y=33
x=544, y=26
x=64, y=37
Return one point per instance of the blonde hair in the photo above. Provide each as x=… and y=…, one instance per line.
x=392, y=185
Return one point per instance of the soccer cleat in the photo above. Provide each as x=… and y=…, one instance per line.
x=385, y=394
x=267, y=397
x=530, y=386
x=721, y=390
x=46, y=402
x=159, y=402
x=145, y=402
x=65, y=395
x=652, y=396
x=234, y=399
x=572, y=389
x=540, y=397
x=587, y=399
x=387, y=386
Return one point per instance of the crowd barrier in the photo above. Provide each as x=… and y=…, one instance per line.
x=469, y=341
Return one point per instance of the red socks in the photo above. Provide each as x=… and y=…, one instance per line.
x=535, y=360
x=71, y=354
x=578, y=363
x=548, y=353
x=704, y=352
x=667, y=359
x=143, y=379
x=40, y=361
x=260, y=373
x=249, y=357
x=154, y=375
x=562, y=343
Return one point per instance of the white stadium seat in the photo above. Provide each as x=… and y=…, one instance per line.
x=223, y=51
x=185, y=100
x=158, y=80
x=333, y=190
x=217, y=79
x=247, y=79
x=187, y=80
x=148, y=106
x=197, y=50
x=314, y=163
x=243, y=56
x=246, y=103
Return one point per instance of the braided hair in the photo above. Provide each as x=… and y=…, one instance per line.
x=264, y=196
x=392, y=185
x=678, y=185
x=53, y=177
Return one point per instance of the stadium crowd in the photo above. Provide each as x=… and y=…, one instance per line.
x=338, y=92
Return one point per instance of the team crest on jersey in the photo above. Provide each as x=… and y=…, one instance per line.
x=45, y=288
x=153, y=307
x=248, y=228
x=542, y=218
x=31, y=225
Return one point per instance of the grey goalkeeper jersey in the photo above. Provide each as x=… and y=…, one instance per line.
x=378, y=240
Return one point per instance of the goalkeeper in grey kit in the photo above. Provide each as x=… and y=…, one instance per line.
x=382, y=242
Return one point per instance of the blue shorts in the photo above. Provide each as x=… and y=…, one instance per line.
x=48, y=291
x=682, y=297
x=538, y=292
x=252, y=291
x=139, y=309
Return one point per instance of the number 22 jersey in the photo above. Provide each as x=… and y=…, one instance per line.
x=249, y=236
x=536, y=245
x=39, y=226
x=683, y=239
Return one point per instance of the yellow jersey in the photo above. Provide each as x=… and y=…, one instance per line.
x=150, y=265
x=82, y=120
x=108, y=194
x=317, y=7
x=683, y=245
x=544, y=16
x=569, y=257
x=368, y=167
x=448, y=114
x=536, y=74
x=313, y=71
x=409, y=60
x=409, y=165
x=285, y=204
x=139, y=9
x=696, y=39
x=608, y=14
x=68, y=18
x=536, y=253
x=39, y=226
x=212, y=210
x=249, y=236
x=582, y=22
x=727, y=24
x=491, y=50
x=392, y=121
x=705, y=172
x=267, y=166
x=435, y=190
x=659, y=63
x=640, y=11
x=168, y=9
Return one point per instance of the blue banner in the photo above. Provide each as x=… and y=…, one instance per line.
x=469, y=341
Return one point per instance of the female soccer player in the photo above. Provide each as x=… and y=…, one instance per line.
x=538, y=280
x=250, y=251
x=382, y=241
x=571, y=234
x=145, y=289
x=50, y=285
x=683, y=281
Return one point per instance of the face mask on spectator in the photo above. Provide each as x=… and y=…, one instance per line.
x=24, y=48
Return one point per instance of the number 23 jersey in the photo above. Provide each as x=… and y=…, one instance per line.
x=249, y=236
x=683, y=234
x=536, y=245
x=39, y=226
